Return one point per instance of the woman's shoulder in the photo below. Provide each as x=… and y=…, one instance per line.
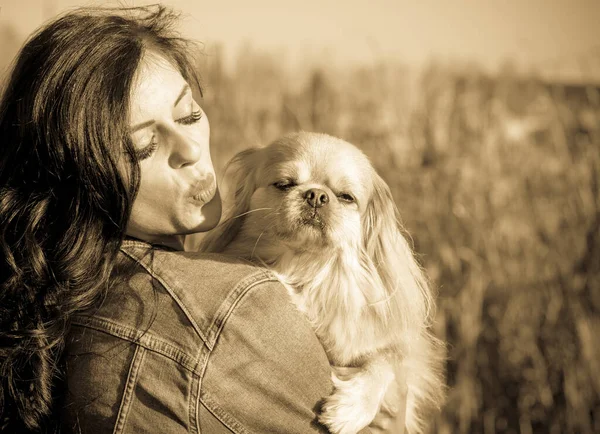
x=203, y=286
x=174, y=298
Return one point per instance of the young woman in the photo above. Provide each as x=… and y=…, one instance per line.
x=106, y=323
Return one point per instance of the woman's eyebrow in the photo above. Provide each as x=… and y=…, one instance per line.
x=182, y=94
x=140, y=126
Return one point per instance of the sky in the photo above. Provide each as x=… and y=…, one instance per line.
x=557, y=37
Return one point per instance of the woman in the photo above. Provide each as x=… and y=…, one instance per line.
x=107, y=324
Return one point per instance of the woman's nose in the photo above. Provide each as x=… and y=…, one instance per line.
x=185, y=151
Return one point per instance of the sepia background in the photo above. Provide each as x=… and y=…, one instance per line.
x=484, y=119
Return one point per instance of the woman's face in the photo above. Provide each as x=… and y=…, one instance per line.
x=178, y=194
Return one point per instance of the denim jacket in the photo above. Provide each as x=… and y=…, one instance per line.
x=189, y=342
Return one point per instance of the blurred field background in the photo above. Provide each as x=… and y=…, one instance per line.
x=497, y=177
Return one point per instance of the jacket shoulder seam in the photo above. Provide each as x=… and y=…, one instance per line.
x=240, y=288
x=229, y=304
x=170, y=291
x=142, y=338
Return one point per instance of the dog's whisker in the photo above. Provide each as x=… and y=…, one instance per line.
x=241, y=215
x=258, y=239
x=248, y=212
x=256, y=243
x=276, y=212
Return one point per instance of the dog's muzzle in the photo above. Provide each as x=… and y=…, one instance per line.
x=316, y=197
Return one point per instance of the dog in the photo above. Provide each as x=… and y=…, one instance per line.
x=312, y=208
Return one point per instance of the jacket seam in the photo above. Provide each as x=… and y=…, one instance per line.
x=204, y=355
x=171, y=293
x=127, y=398
x=141, y=338
x=193, y=405
x=236, y=296
x=223, y=416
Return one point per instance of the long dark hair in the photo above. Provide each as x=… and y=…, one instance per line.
x=68, y=178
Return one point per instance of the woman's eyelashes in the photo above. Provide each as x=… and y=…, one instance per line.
x=148, y=150
x=194, y=117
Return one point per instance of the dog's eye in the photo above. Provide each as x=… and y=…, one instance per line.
x=346, y=197
x=284, y=185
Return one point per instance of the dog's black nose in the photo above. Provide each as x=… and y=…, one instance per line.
x=316, y=197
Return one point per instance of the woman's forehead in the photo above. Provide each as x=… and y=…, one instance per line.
x=157, y=82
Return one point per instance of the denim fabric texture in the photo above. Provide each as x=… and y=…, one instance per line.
x=198, y=343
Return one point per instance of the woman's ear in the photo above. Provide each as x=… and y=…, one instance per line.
x=388, y=250
x=238, y=185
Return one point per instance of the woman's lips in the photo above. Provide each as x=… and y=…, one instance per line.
x=204, y=190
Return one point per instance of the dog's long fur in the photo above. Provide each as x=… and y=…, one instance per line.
x=347, y=266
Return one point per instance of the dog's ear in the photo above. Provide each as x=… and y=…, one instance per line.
x=408, y=297
x=239, y=182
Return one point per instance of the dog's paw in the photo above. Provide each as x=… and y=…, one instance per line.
x=351, y=407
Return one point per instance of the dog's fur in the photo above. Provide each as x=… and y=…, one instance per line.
x=347, y=265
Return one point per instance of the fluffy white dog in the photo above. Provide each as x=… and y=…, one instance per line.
x=312, y=208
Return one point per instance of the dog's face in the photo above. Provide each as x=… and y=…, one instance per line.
x=309, y=191
x=319, y=196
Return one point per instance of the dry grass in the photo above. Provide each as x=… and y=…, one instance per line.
x=498, y=182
